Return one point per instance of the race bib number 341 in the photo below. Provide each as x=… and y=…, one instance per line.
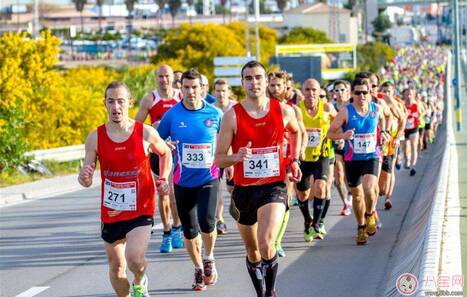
x=364, y=143
x=264, y=162
x=120, y=196
x=197, y=155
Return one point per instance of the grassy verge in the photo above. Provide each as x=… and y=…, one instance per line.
x=13, y=177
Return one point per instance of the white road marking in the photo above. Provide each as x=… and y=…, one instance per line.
x=32, y=292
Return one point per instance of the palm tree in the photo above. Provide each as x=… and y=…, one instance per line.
x=223, y=3
x=174, y=5
x=130, y=6
x=99, y=3
x=161, y=5
x=79, y=6
x=190, y=5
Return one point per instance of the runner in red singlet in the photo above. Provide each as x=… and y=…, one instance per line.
x=122, y=147
x=255, y=130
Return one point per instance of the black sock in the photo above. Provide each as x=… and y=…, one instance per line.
x=256, y=275
x=327, y=202
x=168, y=232
x=270, y=268
x=318, y=207
x=303, y=205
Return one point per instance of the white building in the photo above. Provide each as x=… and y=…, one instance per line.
x=335, y=21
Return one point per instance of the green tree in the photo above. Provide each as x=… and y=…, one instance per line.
x=174, y=6
x=281, y=4
x=381, y=23
x=373, y=55
x=79, y=6
x=301, y=35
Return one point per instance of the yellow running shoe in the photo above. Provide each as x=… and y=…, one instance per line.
x=371, y=226
x=362, y=237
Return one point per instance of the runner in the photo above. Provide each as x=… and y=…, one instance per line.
x=177, y=84
x=277, y=90
x=292, y=95
x=387, y=178
x=410, y=144
x=260, y=193
x=317, y=116
x=122, y=147
x=223, y=93
x=156, y=104
x=205, y=90
x=342, y=97
x=357, y=124
x=193, y=125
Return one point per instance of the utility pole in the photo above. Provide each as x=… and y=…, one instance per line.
x=457, y=65
x=247, y=31
x=258, y=54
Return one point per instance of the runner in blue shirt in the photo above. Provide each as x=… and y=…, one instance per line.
x=193, y=125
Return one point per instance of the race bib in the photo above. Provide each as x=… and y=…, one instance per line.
x=197, y=155
x=120, y=196
x=314, y=137
x=364, y=143
x=410, y=124
x=264, y=162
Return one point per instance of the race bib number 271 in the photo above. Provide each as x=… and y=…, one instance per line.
x=120, y=196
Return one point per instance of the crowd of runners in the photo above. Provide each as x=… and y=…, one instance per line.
x=279, y=143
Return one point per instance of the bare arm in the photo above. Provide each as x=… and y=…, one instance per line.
x=292, y=126
x=303, y=134
x=90, y=158
x=144, y=107
x=224, y=140
x=335, y=131
x=158, y=146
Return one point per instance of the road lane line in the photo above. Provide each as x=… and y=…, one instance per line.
x=32, y=292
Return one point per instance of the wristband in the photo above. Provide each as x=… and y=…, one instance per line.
x=296, y=160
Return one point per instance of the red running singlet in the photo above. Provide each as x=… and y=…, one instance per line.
x=266, y=134
x=413, y=117
x=127, y=183
x=160, y=106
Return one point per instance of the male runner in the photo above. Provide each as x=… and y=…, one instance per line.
x=317, y=116
x=193, y=125
x=410, y=145
x=255, y=130
x=205, y=90
x=156, y=104
x=222, y=92
x=357, y=125
x=122, y=147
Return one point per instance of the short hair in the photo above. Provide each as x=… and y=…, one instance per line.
x=278, y=74
x=222, y=82
x=178, y=71
x=116, y=85
x=387, y=84
x=360, y=82
x=252, y=64
x=191, y=74
x=341, y=82
x=362, y=75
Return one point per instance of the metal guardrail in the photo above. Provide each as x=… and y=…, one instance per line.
x=59, y=154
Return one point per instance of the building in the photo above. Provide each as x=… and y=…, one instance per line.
x=335, y=21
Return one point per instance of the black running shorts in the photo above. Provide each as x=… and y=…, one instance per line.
x=355, y=170
x=248, y=199
x=197, y=208
x=318, y=169
x=410, y=132
x=117, y=231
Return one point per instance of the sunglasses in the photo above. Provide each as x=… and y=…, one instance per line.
x=374, y=86
x=339, y=90
x=322, y=96
x=358, y=93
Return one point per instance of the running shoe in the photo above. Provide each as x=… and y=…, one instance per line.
x=371, y=226
x=387, y=204
x=221, y=227
x=398, y=166
x=346, y=211
x=141, y=290
x=362, y=236
x=307, y=234
x=321, y=228
x=210, y=272
x=177, y=237
x=166, y=245
x=199, y=284
x=316, y=233
x=279, y=250
x=412, y=172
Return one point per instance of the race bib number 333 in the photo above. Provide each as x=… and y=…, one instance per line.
x=197, y=155
x=120, y=196
x=264, y=162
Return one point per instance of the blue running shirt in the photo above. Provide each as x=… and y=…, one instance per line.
x=364, y=144
x=196, y=132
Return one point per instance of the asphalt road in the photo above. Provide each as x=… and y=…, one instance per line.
x=52, y=247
